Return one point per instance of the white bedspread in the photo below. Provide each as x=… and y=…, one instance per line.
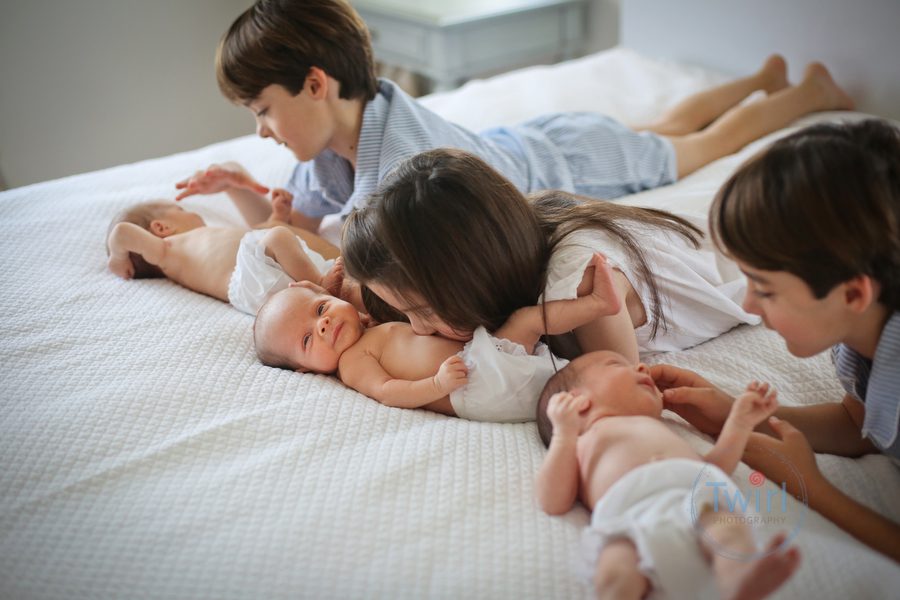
x=146, y=453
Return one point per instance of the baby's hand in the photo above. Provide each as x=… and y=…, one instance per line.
x=452, y=375
x=121, y=266
x=755, y=405
x=603, y=294
x=282, y=201
x=564, y=411
x=218, y=178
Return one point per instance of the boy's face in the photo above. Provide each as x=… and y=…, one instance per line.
x=616, y=387
x=786, y=304
x=421, y=318
x=312, y=328
x=301, y=123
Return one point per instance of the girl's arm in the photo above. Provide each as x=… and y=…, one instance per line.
x=557, y=480
x=128, y=237
x=365, y=374
x=749, y=410
x=527, y=325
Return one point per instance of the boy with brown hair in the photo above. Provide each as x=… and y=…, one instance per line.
x=305, y=70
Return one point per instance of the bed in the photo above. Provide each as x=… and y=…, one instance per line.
x=146, y=453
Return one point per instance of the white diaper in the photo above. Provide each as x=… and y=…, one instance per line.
x=655, y=506
x=257, y=276
x=505, y=382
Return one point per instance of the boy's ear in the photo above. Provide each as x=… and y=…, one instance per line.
x=160, y=228
x=861, y=292
x=317, y=83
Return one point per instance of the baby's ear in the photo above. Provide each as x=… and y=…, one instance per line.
x=160, y=228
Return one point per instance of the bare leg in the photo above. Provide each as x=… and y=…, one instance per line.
x=282, y=246
x=697, y=111
x=746, y=123
x=617, y=575
x=750, y=579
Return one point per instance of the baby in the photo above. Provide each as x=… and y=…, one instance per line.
x=161, y=239
x=492, y=378
x=609, y=448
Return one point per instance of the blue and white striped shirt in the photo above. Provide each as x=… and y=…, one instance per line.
x=877, y=384
x=585, y=153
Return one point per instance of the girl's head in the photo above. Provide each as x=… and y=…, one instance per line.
x=819, y=209
x=448, y=242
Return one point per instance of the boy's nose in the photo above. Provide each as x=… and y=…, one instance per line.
x=323, y=324
x=262, y=131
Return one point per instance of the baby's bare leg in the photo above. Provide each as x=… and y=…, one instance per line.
x=744, y=579
x=699, y=110
x=617, y=575
x=282, y=246
x=748, y=122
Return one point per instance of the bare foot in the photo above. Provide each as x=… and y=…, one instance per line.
x=281, y=205
x=757, y=579
x=333, y=280
x=774, y=74
x=833, y=97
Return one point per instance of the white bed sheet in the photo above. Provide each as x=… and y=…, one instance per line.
x=146, y=453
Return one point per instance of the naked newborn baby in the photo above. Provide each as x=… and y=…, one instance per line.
x=608, y=447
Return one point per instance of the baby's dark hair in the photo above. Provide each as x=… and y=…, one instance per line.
x=563, y=380
x=276, y=42
x=822, y=204
x=141, y=215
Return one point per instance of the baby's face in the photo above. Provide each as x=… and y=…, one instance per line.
x=311, y=328
x=617, y=387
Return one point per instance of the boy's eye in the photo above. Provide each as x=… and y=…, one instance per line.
x=760, y=294
x=320, y=309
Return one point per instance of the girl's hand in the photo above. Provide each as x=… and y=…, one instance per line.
x=787, y=458
x=121, y=266
x=282, y=201
x=753, y=406
x=565, y=411
x=218, y=178
x=451, y=375
x=693, y=398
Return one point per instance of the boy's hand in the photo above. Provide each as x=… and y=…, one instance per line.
x=787, y=458
x=564, y=411
x=692, y=397
x=451, y=375
x=603, y=293
x=121, y=266
x=753, y=406
x=219, y=178
x=282, y=201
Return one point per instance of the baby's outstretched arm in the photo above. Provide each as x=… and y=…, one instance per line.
x=128, y=237
x=366, y=375
x=749, y=409
x=527, y=325
x=556, y=484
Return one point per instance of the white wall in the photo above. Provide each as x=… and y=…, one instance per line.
x=87, y=84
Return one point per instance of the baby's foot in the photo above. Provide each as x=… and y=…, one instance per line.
x=281, y=205
x=773, y=74
x=832, y=96
x=758, y=579
x=333, y=280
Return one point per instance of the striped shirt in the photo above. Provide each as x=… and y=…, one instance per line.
x=876, y=383
x=585, y=153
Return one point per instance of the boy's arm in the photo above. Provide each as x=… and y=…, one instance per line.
x=788, y=454
x=748, y=410
x=366, y=375
x=556, y=483
x=527, y=325
x=128, y=237
x=303, y=221
x=247, y=194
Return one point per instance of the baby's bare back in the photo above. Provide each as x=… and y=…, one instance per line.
x=203, y=259
x=613, y=446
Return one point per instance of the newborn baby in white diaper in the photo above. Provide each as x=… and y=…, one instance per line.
x=160, y=239
x=654, y=531
x=303, y=328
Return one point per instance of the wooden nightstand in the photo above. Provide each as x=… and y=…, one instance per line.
x=450, y=41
